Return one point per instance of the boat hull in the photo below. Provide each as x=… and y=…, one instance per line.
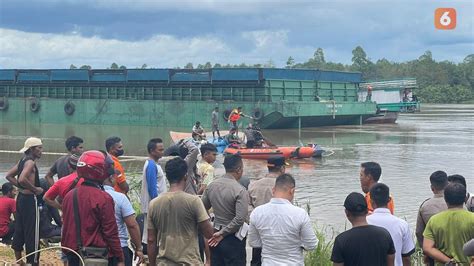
x=385, y=118
x=264, y=153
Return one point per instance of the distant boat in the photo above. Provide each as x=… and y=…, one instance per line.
x=383, y=118
x=392, y=97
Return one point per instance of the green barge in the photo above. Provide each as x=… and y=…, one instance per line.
x=277, y=98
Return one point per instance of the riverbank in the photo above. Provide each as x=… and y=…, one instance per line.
x=47, y=258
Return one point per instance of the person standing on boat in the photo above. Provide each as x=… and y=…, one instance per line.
x=27, y=212
x=114, y=147
x=261, y=191
x=198, y=132
x=61, y=166
x=369, y=94
x=235, y=116
x=369, y=175
x=215, y=123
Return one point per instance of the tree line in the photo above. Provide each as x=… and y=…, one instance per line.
x=439, y=82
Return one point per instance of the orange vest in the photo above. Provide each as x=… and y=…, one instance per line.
x=390, y=205
x=234, y=116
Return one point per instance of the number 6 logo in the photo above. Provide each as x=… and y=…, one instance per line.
x=445, y=18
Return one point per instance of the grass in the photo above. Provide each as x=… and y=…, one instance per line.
x=321, y=255
x=134, y=179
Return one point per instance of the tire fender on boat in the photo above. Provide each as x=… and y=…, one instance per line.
x=69, y=108
x=34, y=104
x=3, y=103
x=226, y=114
x=257, y=113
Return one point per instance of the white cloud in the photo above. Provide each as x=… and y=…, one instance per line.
x=265, y=39
x=36, y=50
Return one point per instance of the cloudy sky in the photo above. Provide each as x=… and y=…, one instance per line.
x=170, y=33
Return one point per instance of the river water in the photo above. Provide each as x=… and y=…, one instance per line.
x=440, y=137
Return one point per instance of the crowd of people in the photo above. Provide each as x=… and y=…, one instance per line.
x=190, y=216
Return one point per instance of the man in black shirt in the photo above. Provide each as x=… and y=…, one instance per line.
x=61, y=166
x=364, y=244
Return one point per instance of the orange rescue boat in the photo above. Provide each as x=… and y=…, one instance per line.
x=288, y=152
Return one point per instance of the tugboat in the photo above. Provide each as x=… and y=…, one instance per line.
x=392, y=97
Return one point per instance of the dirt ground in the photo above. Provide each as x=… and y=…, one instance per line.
x=47, y=258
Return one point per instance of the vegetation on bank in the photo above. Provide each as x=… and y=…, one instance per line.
x=439, y=82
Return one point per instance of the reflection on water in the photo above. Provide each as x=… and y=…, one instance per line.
x=439, y=138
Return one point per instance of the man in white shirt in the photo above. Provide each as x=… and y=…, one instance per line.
x=153, y=180
x=281, y=229
x=398, y=228
x=260, y=192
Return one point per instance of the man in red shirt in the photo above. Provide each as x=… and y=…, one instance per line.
x=58, y=191
x=7, y=208
x=95, y=207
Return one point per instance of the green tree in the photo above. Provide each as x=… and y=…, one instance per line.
x=217, y=65
x=72, y=66
x=122, y=67
x=318, y=57
x=114, y=66
x=86, y=67
x=290, y=62
x=144, y=66
x=189, y=66
x=445, y=94
x=467, y=67
x=208, y=65
x=360, y=62
x=359, y=58
x=269, y=64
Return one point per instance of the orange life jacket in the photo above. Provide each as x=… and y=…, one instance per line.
x=235, y=116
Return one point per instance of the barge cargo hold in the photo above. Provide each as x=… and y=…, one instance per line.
x=277, y=98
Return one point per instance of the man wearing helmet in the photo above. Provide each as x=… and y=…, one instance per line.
x=95, y=210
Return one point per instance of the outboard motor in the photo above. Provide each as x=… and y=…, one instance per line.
x=318, y=151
